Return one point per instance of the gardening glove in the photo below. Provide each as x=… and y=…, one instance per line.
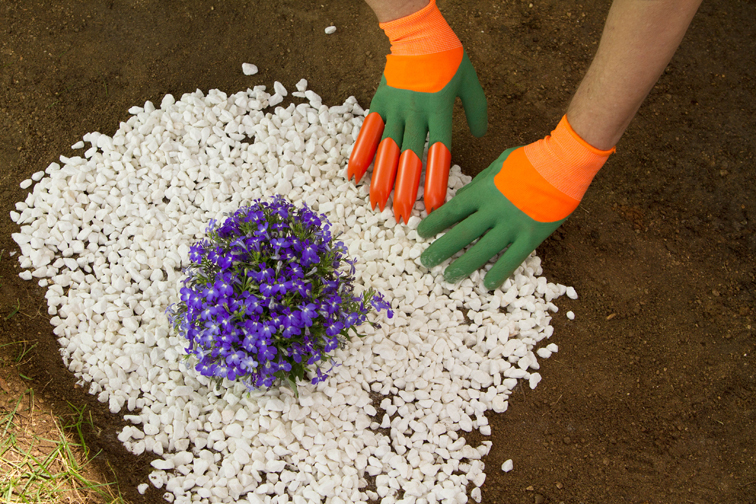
x=517, y=202
x=425, y=72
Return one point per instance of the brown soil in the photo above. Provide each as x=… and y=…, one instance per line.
x=651, y=396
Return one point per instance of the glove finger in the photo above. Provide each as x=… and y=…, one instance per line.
x=410, y=167
x=384, y=173
x=365, y=146
x=455, y=240
x=439, y=126
x=478, y=255
x=394, y=130
x=439, y=158
x=452, y=212
x=507, y=263
x=386, y=160
x=473, y=99
x=407, y=183
x=436, y=176
x=415, y=133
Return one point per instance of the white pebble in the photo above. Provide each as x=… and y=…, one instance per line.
x=507, y=466
x=476, y=494
x=330, y=30
x=249, y=69
x=279, y=88
x=571, y=315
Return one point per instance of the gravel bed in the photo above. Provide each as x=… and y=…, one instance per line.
x=108, y=233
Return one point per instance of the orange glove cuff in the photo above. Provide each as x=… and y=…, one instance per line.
x=566, y=161
x=423, y=32
x=547, y=179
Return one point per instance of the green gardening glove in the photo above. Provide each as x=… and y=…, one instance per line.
x=427, y=70
x=512, y=206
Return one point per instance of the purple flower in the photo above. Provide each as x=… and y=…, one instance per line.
x=333, y=329
x=267, y=292
x=309, y=253
x=224, y=288
x=210, y=294
x=307, y=313
x=235, y=358
x=197, y=252
x=248, y=363
x=252, y=305
x=332, y=304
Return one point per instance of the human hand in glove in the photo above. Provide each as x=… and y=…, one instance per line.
x=514, y=204
x=425, y=72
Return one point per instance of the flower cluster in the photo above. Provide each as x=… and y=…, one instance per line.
x=269, y=295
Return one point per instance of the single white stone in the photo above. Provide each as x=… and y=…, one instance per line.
x=499, y=404
x=476, y=494
x=249, y=69
x=534, y=380
x=571, y=315
x=507, y=466
x=544, y=352
x=279, y=88
x=330, y=30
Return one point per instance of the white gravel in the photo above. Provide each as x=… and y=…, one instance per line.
x=110, y=233
x=249, y=69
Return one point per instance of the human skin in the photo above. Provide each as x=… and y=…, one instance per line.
x=389, y=10
x=639, y=39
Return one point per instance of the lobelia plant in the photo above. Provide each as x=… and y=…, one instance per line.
x=269, y=296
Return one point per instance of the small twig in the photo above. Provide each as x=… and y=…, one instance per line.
x=554, y=403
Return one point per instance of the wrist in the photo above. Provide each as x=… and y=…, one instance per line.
x=422, y=32
x=391, y=10
x=566, y=161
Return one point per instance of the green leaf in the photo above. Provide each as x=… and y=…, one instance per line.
x=293, y=384
x=298, y=370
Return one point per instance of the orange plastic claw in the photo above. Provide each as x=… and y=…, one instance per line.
x=436, y=176
x=365, y=146
x=384, y=172
x=407, y=182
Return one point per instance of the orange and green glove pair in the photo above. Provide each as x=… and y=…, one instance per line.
x=514, y=204
x=424, y=74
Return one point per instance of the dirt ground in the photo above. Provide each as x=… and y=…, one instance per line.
x=651, y=396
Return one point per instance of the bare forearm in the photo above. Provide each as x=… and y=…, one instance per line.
x=389, y=10
x=639, y=39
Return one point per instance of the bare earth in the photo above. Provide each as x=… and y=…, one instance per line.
x=651, y=396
